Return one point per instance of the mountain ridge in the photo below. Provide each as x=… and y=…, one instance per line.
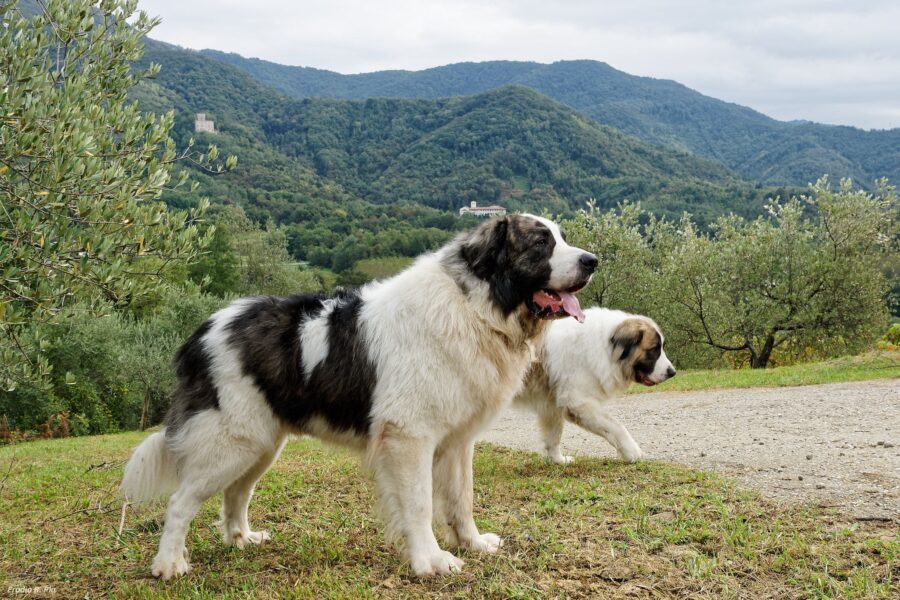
x=510, y=142
x=658, y=111
x=347, y=180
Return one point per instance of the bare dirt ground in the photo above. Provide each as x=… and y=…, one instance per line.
x=834, y=445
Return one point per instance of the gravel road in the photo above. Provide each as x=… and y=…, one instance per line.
x=835, y=445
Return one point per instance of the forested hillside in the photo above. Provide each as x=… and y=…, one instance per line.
x=655, y=110
x=324, y=222
x=511, y=145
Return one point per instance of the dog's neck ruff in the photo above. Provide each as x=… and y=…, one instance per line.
x=516, y=328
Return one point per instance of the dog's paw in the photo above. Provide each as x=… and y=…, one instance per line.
x=166, y=567
x=258, y=537
x=440, y=562
x=240, y=540
x=486, y=542
x=560, y=458
x=630, y=453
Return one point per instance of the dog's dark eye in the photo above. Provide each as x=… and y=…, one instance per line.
x=541, y=242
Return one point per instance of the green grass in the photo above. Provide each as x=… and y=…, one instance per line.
x=592, y=529
x=872, y=365
x=382, y=268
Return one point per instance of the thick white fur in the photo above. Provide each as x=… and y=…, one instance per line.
x=445, y=362
x=151, y=473
x=431, y=399
x=564, y=262
x=577, y=372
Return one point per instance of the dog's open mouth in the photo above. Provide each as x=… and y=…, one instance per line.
x=644, y=378
x=553, y=304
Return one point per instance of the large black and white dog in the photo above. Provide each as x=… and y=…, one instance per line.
x=408, y=370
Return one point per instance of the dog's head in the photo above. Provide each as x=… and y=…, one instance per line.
x=527, y=262
x=638, y=347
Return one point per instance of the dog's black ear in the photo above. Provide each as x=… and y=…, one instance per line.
x=627, y=337
x=483, y=251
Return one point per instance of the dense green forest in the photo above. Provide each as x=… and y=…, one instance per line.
x=352, y=180
x=658, y=111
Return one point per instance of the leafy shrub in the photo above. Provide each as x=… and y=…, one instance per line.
x=82, y=169
x=804, y=282
x=244, y=259
x=890, y=340
x=110, y=373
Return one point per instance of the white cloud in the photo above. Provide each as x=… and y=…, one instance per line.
x=825, y=60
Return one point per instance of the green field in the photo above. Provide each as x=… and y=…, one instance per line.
x=382, y=268
x=873, y=365
x=596, y=528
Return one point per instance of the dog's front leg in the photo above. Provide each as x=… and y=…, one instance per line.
x=591, y=417
x=403, y=470
x=453, y=496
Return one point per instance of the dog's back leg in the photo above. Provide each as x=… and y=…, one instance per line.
x=550, y=419
x=235, y=523
x=209, y=460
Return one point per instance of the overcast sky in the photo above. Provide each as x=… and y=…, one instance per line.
x=825, y=60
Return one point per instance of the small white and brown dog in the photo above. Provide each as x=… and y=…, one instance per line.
x=580, y=366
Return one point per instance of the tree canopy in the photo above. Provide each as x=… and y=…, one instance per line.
x=803, y=281
x=82, y=169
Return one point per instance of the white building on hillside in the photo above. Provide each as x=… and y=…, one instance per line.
x=482, y=211
x=201, y=124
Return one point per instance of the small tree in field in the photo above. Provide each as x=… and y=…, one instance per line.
x=682, y=294
x=262, y=262
x=804, y=277
x=81, y=171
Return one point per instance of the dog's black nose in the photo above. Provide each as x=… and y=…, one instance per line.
x=670, y=372
x=588, y=261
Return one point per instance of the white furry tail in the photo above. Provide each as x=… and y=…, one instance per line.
x=150, y=473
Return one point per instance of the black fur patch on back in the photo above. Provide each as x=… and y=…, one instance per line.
x=194, y=391
x=340, y=387
x=267, y=337
x=339, y=390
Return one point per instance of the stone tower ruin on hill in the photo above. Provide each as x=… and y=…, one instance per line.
x=201, y=124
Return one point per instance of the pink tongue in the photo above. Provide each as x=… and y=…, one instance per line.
x=571, y=306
